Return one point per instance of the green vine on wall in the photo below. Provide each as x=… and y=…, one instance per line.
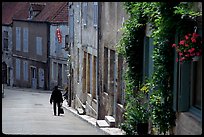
x=166, y=20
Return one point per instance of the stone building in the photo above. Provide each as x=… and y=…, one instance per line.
x=96, y=84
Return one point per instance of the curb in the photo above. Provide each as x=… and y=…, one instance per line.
x=92, y=121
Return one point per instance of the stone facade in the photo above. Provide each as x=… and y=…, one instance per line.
x=96, y=27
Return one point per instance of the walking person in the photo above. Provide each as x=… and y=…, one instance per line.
x=56, y=99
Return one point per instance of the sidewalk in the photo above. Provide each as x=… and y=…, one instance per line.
x=92, y=121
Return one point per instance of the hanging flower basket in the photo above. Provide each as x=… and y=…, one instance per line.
x=189, y=48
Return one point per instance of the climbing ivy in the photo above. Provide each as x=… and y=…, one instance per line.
x=166, y=20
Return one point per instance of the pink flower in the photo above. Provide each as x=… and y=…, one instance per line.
x=180, y=53
x=182, y=42
x=193, y=40
x=187, y=55
x=186, y=37
x=186, y=45
x=174, y=45
x=195, y=35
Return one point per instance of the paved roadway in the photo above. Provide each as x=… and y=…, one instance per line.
x=28, y=112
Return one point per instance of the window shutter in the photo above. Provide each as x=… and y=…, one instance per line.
x=39, y=45
x=18, y=67
x=184, y=92
x=18, y=38
x=95, y=14
x=25, y=71
x=25, y=39
x=151, y=63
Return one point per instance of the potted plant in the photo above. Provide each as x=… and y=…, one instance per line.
x=189, y=48
x=142, y=109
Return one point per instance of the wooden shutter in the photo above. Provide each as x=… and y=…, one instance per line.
x=25, y=70
x=18, y=68
x=184, y=91
x=25, y=39
x=18, y=38
x=95, y=14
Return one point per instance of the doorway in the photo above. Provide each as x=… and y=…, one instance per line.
x=33, y=77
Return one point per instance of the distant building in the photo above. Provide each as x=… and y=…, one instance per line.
x=33, y=27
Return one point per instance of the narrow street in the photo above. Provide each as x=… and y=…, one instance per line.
x=28, y=112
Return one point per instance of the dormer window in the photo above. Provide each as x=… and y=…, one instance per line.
x=35, y=9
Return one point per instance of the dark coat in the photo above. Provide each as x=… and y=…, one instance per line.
x=56, y=96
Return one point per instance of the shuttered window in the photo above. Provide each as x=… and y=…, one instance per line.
x=95, y=14
x=18, y=69
x=18, y=38
x=39, y=45
x=25, y=39
x=25, y=70
x=5, y=36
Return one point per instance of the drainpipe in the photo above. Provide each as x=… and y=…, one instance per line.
x=98, y=63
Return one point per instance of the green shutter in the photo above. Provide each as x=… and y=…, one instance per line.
x=151, y=48
x=175, y=82
x=184, y=92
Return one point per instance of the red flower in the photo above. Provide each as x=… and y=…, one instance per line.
x=195, y=35
x=193, y=40
x=186, y=37
x=182, y=42
x=189, y=47
x=174, y=45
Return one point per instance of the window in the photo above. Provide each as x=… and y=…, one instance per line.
x=120, y=80
x=112, y=70
x=39, y=45
x=25, y=70
x=18, y=38
x=105, y=70
x=18, y=69
x=196, y=87
x=85, y=13
x=54, y=71
x=88, y=73
x=84, y=73
x=187, y=86
x=94, y=78
x=95, y=14
x=5, y=36
x=148, y=61
x=25, y=39
x=197, y=84
x=66, y=42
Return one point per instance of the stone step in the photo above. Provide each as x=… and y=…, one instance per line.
x=80, y=111
x=102, y=124
x=110, y=120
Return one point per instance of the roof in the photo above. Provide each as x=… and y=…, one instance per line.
x=53, y=12
x=11, y=9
